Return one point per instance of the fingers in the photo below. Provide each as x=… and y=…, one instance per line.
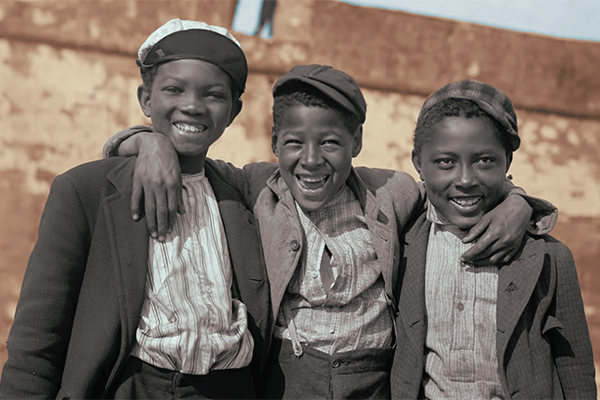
x=180, y=205
x=489, y=251
x=480, y=251
x=150, y=207
x=160, y=209
x=136, y=199
x=476, y=231
x=162, y=215
x=173, y=205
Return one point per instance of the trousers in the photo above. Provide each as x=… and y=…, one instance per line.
x=140, y=380
x=358, y=374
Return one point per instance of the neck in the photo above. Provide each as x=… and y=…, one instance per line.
x=457, y=231
x=192, y=164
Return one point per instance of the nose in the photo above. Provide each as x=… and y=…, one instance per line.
x=466, y=176
x=192, y=103
x=311, y=156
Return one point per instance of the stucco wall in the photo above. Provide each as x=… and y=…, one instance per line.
x=68, y=80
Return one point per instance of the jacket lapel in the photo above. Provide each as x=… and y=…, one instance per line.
x=412, y=280
x=129, y=241
x=516, y=281
x=235, y=220
x=380, y=231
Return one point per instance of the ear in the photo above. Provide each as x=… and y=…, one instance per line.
x=144, y=99
x=274, y=142
x=509, y=158
x=235, y=110
x=416, y=160
x=357, y=141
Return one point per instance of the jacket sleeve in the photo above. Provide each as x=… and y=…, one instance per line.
x=544, y=215
x=111, y=147
x=39, y=337
x=249, y=180
x=572, y=348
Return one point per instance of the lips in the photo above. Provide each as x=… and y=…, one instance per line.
x=189, y=128
x=311, y=182
x=466, y=202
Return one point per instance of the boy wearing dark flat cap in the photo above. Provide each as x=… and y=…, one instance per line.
x=332, y=237
x=518, y=331
x=106, y=311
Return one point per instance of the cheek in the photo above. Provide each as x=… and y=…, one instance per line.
x=286, y=160
x=496, y=190
x=435, y=178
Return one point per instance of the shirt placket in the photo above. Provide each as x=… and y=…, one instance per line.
x=462, y=353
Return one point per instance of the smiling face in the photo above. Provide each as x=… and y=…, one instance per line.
x=315, y=150
x=191, y=103
x=463, y=165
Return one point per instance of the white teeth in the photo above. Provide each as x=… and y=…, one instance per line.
x=189, y=128
x=312, y=179
x=311, y=182
x=466, y=201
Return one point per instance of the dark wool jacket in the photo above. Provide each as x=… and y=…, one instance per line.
x=84, y=286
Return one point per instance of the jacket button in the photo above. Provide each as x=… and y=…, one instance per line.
x=335, y=363
x=294, y=245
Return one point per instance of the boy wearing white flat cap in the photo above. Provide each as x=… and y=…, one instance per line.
x=106, y=310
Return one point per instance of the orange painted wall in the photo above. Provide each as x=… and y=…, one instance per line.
x=68, y=80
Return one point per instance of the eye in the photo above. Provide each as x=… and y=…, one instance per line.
x=331, y=142
x=485, y=161
x=444, y=163
x=291, y=142
x=173, y=89
x=217, y=95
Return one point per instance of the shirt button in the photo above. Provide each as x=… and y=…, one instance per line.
x=294, y=245
x=335, y=363
x=460, y=306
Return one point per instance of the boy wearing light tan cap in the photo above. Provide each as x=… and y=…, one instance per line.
x=108, y=311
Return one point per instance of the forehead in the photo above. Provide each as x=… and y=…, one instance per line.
x=465, y=134
x=316, y=118
x=193, y=71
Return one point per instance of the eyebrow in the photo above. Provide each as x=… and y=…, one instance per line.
x=490, y=150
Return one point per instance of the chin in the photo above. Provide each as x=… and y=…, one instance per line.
x=466, y=222
x=310, y=205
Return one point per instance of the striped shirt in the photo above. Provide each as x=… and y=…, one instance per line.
x=351, y=312
x=189, y=321
x=461, y=361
